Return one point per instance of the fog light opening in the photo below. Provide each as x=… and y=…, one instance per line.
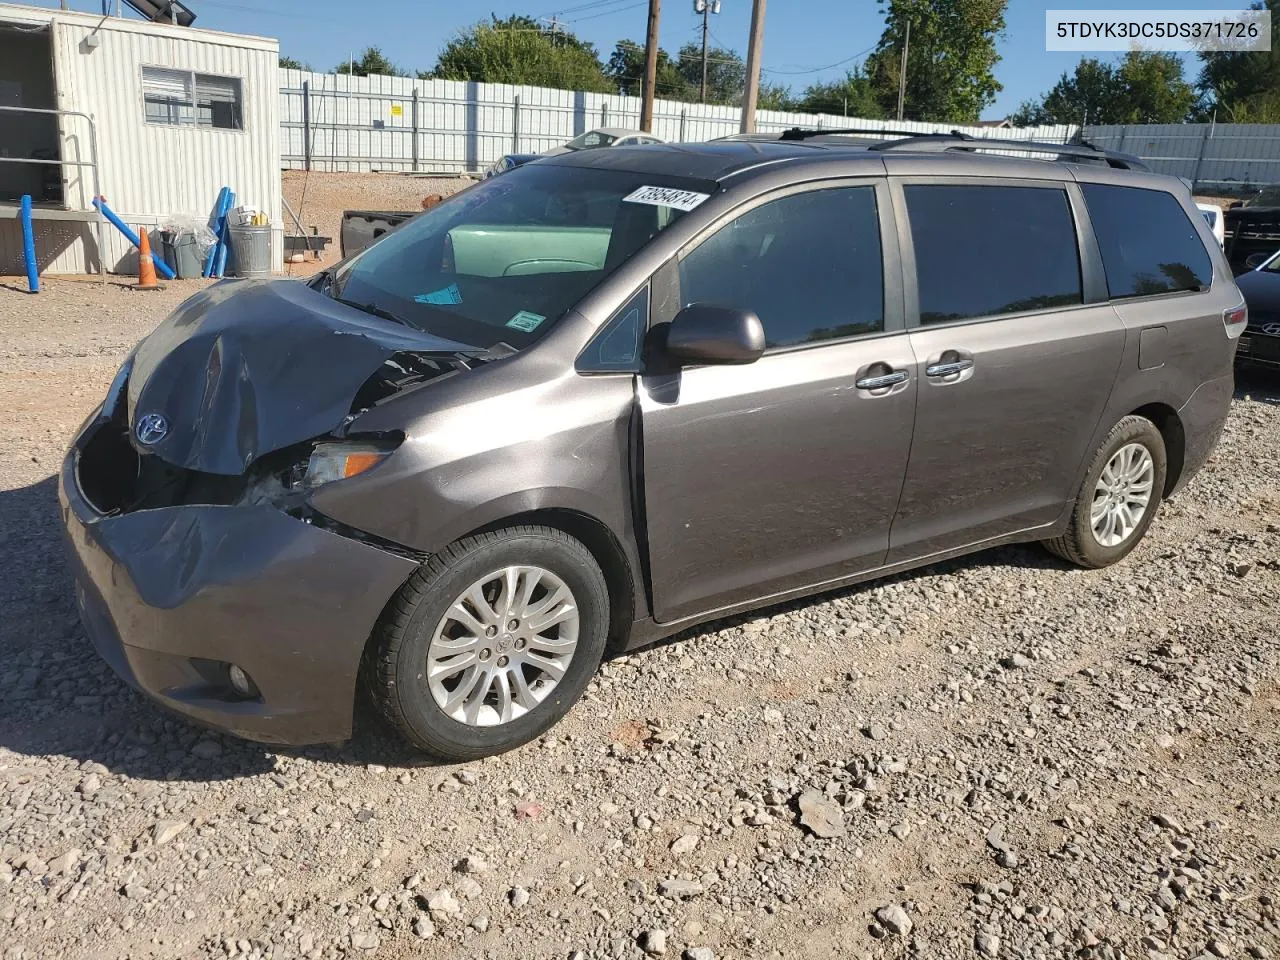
x=240, y=682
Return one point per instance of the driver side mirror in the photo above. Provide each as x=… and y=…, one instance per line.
x=710, y=334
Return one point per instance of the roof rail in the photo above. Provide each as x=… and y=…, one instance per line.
x=957, y=140
x=804, y=133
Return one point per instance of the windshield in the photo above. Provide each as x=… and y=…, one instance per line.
x=592, y=138
x=504, y=260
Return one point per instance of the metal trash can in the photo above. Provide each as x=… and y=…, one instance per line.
x=181, y=252
x=251, y=252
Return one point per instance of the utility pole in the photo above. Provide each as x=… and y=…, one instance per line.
x=755, y=48
x=902, y=71
x=650, y=67
x=706, y=8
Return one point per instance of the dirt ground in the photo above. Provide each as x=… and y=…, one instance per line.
x=1009, y=758
x=319, y=199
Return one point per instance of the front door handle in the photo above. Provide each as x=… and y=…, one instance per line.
x=948, y=369
x=880, y=381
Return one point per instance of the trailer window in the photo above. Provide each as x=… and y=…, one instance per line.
x=184, y=98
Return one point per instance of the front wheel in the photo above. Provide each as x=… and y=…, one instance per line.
x=1118, y=498
x=490, y=642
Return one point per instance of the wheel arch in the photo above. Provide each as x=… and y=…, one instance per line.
x=603, y=544
x=1171, y=430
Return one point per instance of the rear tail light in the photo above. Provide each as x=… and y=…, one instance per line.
x=1235, y=319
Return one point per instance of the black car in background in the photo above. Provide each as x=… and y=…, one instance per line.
x=1260, y=343
x=508, y=161
x=1252, y=229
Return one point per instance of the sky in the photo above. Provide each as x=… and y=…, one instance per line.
x=805, y=40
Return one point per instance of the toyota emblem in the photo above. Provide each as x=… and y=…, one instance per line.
x=1273, y=329
x=151, y=429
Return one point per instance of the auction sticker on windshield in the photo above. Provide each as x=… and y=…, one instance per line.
x=526, y=320
x=666, y=197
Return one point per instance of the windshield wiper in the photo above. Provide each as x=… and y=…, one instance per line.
x=377, y=311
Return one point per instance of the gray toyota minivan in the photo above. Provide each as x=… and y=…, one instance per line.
x=612, y=394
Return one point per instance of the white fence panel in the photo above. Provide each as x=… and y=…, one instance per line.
x=339, y=123
x=1226, y=157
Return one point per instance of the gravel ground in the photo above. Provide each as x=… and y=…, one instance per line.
x=319, y=199
x=994, y=757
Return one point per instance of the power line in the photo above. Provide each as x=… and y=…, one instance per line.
x=801, y=72
x=829, y=66
x=585, y=6
x=272, y=13
x=607, y=13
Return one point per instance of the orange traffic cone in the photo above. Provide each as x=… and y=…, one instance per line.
x=146, y=264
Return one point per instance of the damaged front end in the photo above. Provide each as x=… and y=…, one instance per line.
x=253, y=409
x=202, y=574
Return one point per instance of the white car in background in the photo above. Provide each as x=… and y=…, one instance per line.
x=604, y=137
x=1213, y=214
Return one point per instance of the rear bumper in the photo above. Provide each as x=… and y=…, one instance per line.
x=1203, y=416
x=170, y=596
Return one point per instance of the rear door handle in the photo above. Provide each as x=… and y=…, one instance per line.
x=880, y=381
x=948, y=369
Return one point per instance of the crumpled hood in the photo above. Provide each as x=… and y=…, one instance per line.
x=247, y=367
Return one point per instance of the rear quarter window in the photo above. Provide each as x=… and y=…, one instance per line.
x=1149, y=245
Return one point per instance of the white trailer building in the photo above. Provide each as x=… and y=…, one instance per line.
x=155, y=117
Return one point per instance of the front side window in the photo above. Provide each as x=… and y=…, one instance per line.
x=184, y=98
x=1149, y=246
x=809, y=265
x=505, y=259
x=985, y=251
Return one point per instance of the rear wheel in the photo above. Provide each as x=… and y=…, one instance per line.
x=1118, y=498
x=491, y=642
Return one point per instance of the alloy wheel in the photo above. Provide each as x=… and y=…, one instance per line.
x=1122, y=495
x=503, y=646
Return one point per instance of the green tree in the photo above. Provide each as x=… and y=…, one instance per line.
x=851, y=96
x=522, y=50
x=1153, y=88
x=775, y=96
x=1243, y=87
x=371, y=63
x=626, y=71
x=726, y=72
x=951, y=58
x=289, y=63
x=1144, y=87
x=1091, y=94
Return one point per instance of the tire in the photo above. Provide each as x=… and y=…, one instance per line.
x=397, y=662
x=1080, y=544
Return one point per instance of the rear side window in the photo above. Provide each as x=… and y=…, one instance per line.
x=983, y=251
x=808, y=264
x=1149, y=245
